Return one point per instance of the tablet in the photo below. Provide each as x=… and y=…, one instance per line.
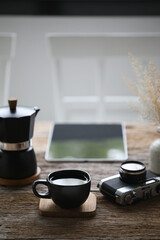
x=87, y=142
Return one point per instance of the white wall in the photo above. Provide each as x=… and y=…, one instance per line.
x=31, y=75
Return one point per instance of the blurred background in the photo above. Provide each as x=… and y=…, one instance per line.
x=40, y=64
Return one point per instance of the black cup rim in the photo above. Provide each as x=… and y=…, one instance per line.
x=82, y=172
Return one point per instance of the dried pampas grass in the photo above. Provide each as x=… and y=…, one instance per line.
x=147, y=88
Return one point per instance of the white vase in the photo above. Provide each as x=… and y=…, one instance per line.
x=154, y=156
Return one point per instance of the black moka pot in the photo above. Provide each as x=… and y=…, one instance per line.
x=17, y=157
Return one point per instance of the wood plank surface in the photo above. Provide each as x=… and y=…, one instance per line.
x=19, y=214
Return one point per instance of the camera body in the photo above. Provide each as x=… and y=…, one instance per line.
x=126, y=193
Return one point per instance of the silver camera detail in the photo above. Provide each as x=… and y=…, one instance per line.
x=133, y=183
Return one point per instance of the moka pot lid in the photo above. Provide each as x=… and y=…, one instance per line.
x=16, y=122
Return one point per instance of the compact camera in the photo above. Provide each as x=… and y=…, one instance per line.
x=133, y=183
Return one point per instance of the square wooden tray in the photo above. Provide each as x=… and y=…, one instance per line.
x=48, y=208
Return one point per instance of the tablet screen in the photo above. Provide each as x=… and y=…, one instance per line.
x=87, y=142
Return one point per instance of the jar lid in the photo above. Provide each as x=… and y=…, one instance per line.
x=14, y=111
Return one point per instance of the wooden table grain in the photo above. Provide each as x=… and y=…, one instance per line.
x=20, y=219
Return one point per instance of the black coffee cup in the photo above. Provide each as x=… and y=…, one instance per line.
x=67, y=188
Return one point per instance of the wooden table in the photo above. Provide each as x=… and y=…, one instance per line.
x=19, y=215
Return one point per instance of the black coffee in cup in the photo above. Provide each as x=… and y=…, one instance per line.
x=67, y=188
x=69, y=181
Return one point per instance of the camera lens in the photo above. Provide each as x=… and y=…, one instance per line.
x=133, y=172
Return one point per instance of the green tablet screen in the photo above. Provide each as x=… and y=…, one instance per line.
x=87, y=142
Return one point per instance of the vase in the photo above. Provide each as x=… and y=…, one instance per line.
x=154, y=156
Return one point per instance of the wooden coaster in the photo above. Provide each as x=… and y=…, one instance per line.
x=48, y=208
x=20, y=182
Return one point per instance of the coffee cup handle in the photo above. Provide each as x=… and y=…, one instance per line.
x=34, y=187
